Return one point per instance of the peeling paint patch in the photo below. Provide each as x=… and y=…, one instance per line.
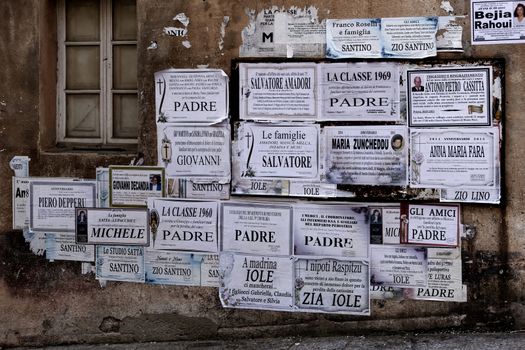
x=203, y=66
x=153, y=45
x=175, y=31
x=224, y=23
x=447, y=7
x=186, y=44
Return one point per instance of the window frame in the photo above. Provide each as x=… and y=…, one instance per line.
x=106, y=91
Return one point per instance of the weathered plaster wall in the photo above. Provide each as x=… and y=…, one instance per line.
x=42, y=302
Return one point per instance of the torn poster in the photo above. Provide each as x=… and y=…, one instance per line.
x=497, y=22
x=116, y=263
x=332, y=285
x=20, y=204
x=331, y=230
x=398, y=266
x=459, y=96
x=112, y=226
x=359, y=91
x=52, y=203
x=444, y=277
x=296, y=33
x=131, y=186
x=256, y=282
x=366, y=155
x=430, y=225
x=447, y=158
x=210, y=276
x=298, y=27
x=385, y=292
x=256, y=228
x=191, y=95
x=449, y=34
x=278, y=91
x=184, y=225
x=36, y=240
x=20, y=165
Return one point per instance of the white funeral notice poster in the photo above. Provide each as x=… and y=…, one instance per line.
x=454, y=158
x=20, y=197
x=331, y=230
x=332, y=285
x=398, y=266
x=62, y=246
x=191, y=95
x=366, y=155
x=280, y=91
x=210, y=270
x=256, y=282
x=353, y=38
x=194, y=151
x=312, y=189
x=256, y=228
x=449, y=97
x=197, y=189
x=184, y=225
x=391, y=225
x=131, y=186
x=444, y=277
x=489, y=196
x=431, y=225
x=119, y=263
x=409, y=37
x=183, y=269
x=359, y=91
x=112, y=226
x=256, y=186
x=278, y=151
x=52, y=204
x=384, y=225
x=497, y=22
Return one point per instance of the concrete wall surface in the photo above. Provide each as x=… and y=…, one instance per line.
x=51, y=303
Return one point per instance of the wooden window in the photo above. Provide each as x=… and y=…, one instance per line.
x=97, y=72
